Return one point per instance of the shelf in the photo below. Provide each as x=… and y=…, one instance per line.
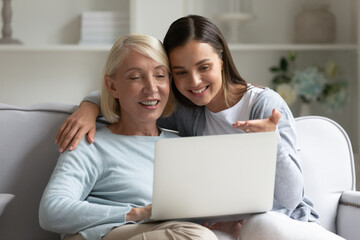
x=293, y=47
x=55, y=48
x=233, y=47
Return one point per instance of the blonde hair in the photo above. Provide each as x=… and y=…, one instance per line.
x=143, y=44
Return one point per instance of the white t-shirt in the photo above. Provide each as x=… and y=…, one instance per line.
x=221, y=122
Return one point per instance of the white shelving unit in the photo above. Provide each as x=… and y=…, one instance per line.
x=233, y=47
x=55, y=48
x=293, y=47
x=51, y=66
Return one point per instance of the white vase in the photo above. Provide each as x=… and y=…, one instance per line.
x=305, y=109
x=6, y=29
x=315, y=24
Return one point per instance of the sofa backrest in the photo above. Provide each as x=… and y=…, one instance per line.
x=28, y=155
x=328, y=164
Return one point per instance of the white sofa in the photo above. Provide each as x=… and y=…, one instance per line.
x=28, y=155
x=329, y=173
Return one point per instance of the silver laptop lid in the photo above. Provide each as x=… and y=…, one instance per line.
x=214, y=176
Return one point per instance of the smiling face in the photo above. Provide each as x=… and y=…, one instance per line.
x=197, y=74
x=142, y=87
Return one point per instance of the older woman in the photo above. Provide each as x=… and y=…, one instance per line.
x=97, y=190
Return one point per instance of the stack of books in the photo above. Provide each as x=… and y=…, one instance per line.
x=103, y=27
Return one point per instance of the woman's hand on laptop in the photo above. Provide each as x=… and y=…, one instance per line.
x=138, y=214
x=260, y=125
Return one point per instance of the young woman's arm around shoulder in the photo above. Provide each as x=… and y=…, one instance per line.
x=81, y=122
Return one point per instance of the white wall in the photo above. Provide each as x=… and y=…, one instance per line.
x=38, y=75
x=39, y=22
x=28, y=78
x=154, y=17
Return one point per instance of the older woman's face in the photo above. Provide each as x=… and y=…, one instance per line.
x=142, y=87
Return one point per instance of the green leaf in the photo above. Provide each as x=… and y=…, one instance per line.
x=292, y=56
x=274, y=69
x=283, y=64
x=280, y=79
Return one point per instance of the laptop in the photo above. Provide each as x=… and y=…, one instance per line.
x=213, y=178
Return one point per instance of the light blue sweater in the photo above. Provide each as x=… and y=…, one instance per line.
x=93, y=187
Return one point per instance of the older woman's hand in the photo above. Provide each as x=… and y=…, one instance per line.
x=260, y=125
x=138, y=214
x=232, y=228
x=81, y=122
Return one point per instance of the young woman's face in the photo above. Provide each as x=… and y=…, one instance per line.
x=197, y=74
x=142, y=87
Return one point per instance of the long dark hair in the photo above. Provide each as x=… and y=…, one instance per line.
x=194, y=27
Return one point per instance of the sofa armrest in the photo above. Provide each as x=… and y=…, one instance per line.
x=5, y=198
x=348, y=217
